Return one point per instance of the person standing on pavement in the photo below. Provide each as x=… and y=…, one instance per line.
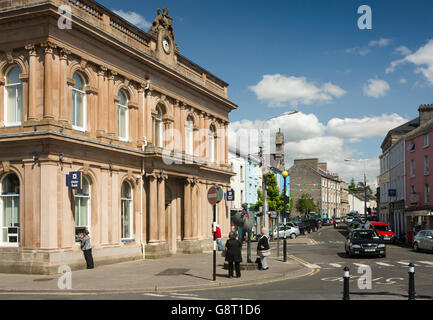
x=218, y=238
x=87, y=249
x=233, y=254
x=263, y=248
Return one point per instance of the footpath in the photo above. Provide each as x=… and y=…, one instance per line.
x=180, y=272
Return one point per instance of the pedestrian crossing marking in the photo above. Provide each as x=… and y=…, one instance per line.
x=312, y=266
x=336, y=265
x=385, y=264
x=406, y=263
x=154, y=295
x=360, y=265
x=427, y=262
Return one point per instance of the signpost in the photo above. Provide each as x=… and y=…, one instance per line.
x=230, y=195
x=214, y=196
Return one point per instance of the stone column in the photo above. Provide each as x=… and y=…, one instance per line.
x=48, y=78
x=111, y=108
x=182, y=125
x=187, y=210
x=153, y=212
x=101, y=125
x=148, y=116
x=194, y=212
x=31, y=112
x=140, y=121
x=63, y=117
x=161, y=207
x=226, y=143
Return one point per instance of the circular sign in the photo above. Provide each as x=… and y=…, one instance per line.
x=212, y=195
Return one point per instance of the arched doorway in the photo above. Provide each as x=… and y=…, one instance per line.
x=10, y=211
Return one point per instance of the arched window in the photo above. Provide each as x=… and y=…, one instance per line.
x=158, y=127
x=123, y=116
x=126, y=211
x=10, y=210
x=211, y=144
x=189, y=138
x=79, y=103
x=13, y=97
x=82, y=209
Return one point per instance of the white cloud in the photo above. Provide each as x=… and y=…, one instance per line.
x=402, y=80
x=134, y=18
x=358, y=50
x=376, y=88
x=382, y=42
x=422, y=58
x=403, y=50
x=277, y=90
x=356, y=129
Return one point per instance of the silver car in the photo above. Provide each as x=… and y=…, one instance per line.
x=292, y=231
x=423, y=240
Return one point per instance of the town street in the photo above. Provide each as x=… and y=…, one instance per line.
x=325, y=256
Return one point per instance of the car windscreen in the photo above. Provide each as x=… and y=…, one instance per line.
x=368, y=234
x=382, y=228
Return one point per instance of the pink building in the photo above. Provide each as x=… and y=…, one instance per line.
x=419, y=176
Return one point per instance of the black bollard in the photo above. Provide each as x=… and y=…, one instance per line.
x=411, y=281
x=346, y=284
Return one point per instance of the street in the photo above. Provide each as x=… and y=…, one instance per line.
x=325, y=257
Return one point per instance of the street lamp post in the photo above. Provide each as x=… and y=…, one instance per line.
x=264, y=168
x=285, y=174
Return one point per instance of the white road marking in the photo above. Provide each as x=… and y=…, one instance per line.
x=406, y=263
x=384, y=264
x=240, y=299
x=185, y=294
x=427, y=262
x=336, y=265
x=190, y=298
x=312, y=266
x=154, y=295
x=360, y=265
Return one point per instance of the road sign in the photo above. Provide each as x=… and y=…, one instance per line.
x=212, y=195
x=75, y=180
x=392, y=192
x=230, y=195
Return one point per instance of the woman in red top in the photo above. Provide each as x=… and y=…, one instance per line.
x=218, y=238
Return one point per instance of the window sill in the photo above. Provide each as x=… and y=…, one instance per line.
x=12, y=125
x=127, y=240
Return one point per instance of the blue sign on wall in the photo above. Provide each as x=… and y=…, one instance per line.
x=230, y=195
x=392, y=192
x=74, y=180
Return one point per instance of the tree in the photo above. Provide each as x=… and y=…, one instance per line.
x=306, y=204
x=352, y=187
x=275, y=199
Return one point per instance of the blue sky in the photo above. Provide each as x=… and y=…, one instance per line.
x=316, y=50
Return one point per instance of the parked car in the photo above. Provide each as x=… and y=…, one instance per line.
x=304, y=227
x=348, y=219
x=383, y=230
x=338, y=222
x=315, y=223
x=291, y=232
x=423, y=240
x=364, y=242
x=326, y=222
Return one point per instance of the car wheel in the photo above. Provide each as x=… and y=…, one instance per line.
x=293, y=236
x=416, y=247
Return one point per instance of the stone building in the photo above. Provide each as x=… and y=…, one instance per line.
x=145, y=126
x=308, y=176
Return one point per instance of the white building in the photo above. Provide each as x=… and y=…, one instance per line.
x=356, y=203
x=237, y=182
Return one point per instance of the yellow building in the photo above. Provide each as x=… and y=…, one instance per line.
x=82, y=90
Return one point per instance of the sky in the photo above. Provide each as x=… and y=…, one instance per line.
x=350, y=86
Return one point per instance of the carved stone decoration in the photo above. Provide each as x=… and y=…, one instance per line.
x=9, y=57
x=6, y=166
x=86, y=168
x=102, y=70
x=83, y=64
x=49, y=46
x=64, y=53
x=31, y=48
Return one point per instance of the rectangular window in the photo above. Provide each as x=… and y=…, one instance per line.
x=426, y=140
x=412, y=189
x=426, y=169
x=426, y=193
x=412, y=168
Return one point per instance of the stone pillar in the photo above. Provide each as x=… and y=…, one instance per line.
x=140, y=120
x=194, y=212
x=182, y=124
x=148, y=116
x=187, y=210
x=48, y=78
x=153, y=212
x=63, y=97
x=111, y=108
x=161, y=207
x=101, y=125
x=31, y=112
x=226, y=143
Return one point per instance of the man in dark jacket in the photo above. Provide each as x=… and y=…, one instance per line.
x=233, y=254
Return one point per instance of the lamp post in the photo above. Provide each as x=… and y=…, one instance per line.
x=264, y=168
x=365, y=187
x=285, y=174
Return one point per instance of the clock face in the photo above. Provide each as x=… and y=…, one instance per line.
x=166, y=46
